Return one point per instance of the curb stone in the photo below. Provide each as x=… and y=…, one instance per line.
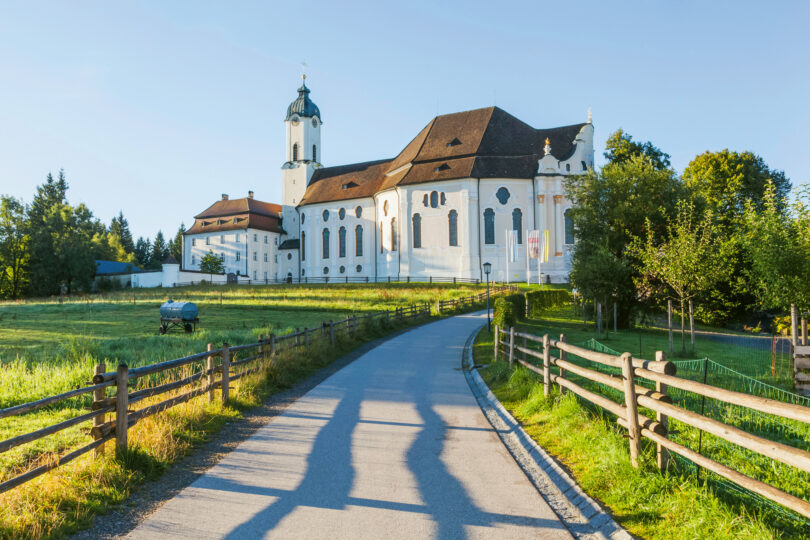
x=582, y=515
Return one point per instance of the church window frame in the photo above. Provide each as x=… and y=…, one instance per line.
x=358, y=211
x=517, y=224
x=325, y=245
x=452, y=228
x=342, y=242
x=295, y=152
x=342, y=214
x=434, y=199
x=314, y=152
x=568, y=227
x=417, y=230
x=358, y=241
x=325, y=215
x=489, y=226
x=303, y=246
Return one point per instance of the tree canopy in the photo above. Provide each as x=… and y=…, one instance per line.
x=621, y=148
x=211, y=264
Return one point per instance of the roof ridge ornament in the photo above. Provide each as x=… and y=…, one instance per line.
x=547, y=147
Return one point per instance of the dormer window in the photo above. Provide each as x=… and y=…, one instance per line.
x=442, y=167
x=454, y=142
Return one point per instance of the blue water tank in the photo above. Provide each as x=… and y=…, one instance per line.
x=179, y=310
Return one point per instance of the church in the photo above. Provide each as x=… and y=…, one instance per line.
x=467, y=190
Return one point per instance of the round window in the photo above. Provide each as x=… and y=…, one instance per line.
x=385, y=208
x=325, y=269
x=326, y=215
x=358, y=211
x=359, y=268
x=342, y=269
x=502, y=195
x=342, y=213
x=289, y=256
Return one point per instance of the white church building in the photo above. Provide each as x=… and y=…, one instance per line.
x=441, y=208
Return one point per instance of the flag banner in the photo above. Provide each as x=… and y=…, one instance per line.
x=545, y=246
x=534, y=244
x=511, y=237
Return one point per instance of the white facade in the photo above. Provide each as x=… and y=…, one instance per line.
x=252, y=253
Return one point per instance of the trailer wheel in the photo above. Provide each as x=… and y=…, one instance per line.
x=188, y=328
x=162, y=329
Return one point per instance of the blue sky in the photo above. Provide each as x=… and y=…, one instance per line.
x=156, y=108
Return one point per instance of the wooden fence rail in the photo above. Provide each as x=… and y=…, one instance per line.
x=662, y=373
x=215, y=368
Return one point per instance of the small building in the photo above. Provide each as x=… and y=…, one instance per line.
x=244, y=233
x=120, y=272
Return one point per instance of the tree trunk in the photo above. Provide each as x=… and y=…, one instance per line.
x=683, y=328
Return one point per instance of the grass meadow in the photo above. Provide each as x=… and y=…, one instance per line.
x=47, y=347
x=682, y=502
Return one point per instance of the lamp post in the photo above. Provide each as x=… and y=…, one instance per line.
x=487, y=269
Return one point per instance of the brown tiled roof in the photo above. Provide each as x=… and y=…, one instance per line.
x=483, y=143
x=245, y=205
x=237, y=214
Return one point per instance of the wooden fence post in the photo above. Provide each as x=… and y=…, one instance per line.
x=272, y=346
x=226, y=373
x=511, y=345
x=546, y=366
x=99, y=395
x=662, y=454
x=524, y=348
x=306, y=340
x=526, y=304
x=497, y=342
x=669, y=323
x=794, y=325
x=209, y=365
x=631, y=407
x=121, y=407
x=564, y=357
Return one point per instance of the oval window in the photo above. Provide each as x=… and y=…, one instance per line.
x=326, y=215
x=342, y=269
x=289, y=256
x=325, y=269
x=342, y=213
x=502, y=195
x=359, y=268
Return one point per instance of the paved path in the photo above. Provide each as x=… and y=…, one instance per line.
x=392, y=446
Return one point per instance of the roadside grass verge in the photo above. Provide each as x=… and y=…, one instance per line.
x=67, y=498
x=648, y=503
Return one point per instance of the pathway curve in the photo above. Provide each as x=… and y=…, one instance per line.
x=392, y=446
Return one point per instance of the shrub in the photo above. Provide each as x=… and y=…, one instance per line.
x=545, y=299
x=504, y=313
x=518, y=302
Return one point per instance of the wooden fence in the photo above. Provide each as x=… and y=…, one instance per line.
x=801, y=352
x=222, y=366
x=469, y=301
x=662, y=373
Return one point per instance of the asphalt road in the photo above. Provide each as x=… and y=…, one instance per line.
x=392, y=446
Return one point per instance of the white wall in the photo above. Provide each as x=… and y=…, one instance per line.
x=251, y=241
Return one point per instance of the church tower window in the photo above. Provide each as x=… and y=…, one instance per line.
x=417, y=231
x=314, y=152
x=342, y=242
x=358, y=241
x=517, y=224
x=452, y=225
x=489, y=226
x=569, y=227
x=295, y=152
x=326, y=243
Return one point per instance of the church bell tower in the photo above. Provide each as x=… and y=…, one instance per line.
x=303, y=153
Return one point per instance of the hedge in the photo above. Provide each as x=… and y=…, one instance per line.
x=504, y=313
x=544, y=299
x=518, y=302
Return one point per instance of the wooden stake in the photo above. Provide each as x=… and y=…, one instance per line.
x=669, y=323
x=226, y=373
x=632, y=408
x=121, y=406
x=661, y=453
x=564, y=358
x=511, y=345
x=99, y=395
x=209, y=365
x=546, y=366
x=692, y=324
x=794, y=325
x=496, y=340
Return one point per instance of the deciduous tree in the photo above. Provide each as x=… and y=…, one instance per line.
x=14, y=248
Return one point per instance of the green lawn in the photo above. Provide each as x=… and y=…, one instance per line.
x=651, y=504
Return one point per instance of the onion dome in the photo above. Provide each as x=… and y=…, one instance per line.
x=303, y=106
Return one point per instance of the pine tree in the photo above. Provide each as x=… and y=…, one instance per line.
x=120, y=227
x=143, y=252
x=159, y=251
x=176, y=248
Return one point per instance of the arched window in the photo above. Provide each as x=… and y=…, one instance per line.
x=358, y=241
x=434, y=199
x=326, y=243
x=417, y=231
x=342, y=242
x=295, y=152
x=517, y=224
x=393, y=234
x=489, y=226
x=569, y=227
x=452, y=225
x=303, y=246
x=314, y=153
